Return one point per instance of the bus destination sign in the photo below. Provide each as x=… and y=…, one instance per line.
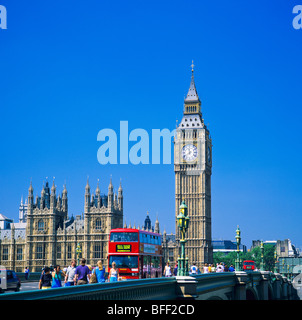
x=123, y=248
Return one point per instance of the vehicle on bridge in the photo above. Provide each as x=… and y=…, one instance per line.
x=137, y=253
x=248, y=265
x=11, y=281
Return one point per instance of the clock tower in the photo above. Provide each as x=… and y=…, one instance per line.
x=193, y=169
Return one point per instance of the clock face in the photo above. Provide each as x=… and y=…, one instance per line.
x=209, y=154
x=189, y=152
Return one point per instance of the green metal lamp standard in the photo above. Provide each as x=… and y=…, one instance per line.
x=238, y=241
x=78, y=252
x=262, y=257
x=276, y=261
x=183, y=224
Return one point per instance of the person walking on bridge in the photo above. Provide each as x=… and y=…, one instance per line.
x=57, y=275
x=82, y=273
x=45, y=279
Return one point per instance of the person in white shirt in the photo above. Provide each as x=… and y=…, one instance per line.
x=193, y=269
x=206, y=268
x=167, y=270
x=220, y=268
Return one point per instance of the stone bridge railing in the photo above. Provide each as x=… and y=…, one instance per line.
x=212, y=286
x=252, y=285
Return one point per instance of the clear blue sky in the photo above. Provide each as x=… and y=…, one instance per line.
x=71, y=68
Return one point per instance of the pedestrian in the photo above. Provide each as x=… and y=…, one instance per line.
x=167, y=270
x=206, y=268
x=113, y=273
x=57, y=276
x=45, y=279
x=69, y=278
x=175, y=269
x=43, y=269
x=226, y=268
x=210, y=268
x=193, y=269
x=82, y=273
x=219, y=267
x=26, y=273
x=231, y=268
x=99, y=271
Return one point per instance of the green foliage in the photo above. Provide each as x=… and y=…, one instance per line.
x=254, y=254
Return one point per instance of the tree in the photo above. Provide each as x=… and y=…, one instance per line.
x=254, y=254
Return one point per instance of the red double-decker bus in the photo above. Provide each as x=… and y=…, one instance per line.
x=137, y=253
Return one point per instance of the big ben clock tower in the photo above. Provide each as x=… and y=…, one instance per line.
x=193, y=169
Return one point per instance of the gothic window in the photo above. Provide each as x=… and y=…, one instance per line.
x=19, y=253
x=39, y=251
x=98, y=224
x=69, y=251
x=5, y=253
x=41, y=225
x=59, y=252
x=97, y=251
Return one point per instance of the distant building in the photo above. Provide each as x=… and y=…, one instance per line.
x=226, y=246
x=5, y=222
x=284, y=248
x=23, y=211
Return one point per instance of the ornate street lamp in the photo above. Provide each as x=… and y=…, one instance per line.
x=78, y=252
x=262, y=256
x=275, y=257
x=183, y=222
x=238, y=241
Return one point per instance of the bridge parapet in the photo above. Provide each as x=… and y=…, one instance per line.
x=253, y=285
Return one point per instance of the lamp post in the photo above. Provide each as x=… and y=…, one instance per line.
x=78, y=252
x=238, y=241
x=262, y=256
x=275, y=257
x=183, y=224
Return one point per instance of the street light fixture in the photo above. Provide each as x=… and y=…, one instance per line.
x=78, y=252
x=238, y=241
x=183, y=222
x=276, y=261
x=262, y=256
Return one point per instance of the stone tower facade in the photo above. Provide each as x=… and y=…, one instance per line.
x=193, y=169
x=45, y=216
x=101, y=214
x=49, y=236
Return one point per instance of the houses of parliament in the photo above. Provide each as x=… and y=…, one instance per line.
x=46, y=235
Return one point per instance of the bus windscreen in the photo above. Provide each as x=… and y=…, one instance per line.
x=124, y=261
x=123, y=237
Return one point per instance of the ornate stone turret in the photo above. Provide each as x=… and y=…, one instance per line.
x=30, y=196
x=53, y=196
x=156, y=227
x=87, y=197
x=110, y=195
x=98, y=195
x=120, y=196
x=64, y=199
x=147, y=225
x=42, y=202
